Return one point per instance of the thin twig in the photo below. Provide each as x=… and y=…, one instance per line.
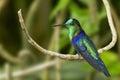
x=112, y=28
x=29, y=70
x=7, y=56
x=59, y=19
x=8, y=71
x=48, y=52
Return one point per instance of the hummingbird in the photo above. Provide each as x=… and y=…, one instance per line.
x=84, y=45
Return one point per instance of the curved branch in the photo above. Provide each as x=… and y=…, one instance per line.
x=112, y=28
x=41, y=49
x=51, y=53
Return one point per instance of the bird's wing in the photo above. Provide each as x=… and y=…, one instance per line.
x=96, y=61
x=87, y=49
x=86, y=45
x=90, y=47
x=89, y=52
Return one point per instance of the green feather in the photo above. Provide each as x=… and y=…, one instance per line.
x=90, y=49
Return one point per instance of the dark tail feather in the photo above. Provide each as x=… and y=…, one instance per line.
x=105, y=71
x=103, y=68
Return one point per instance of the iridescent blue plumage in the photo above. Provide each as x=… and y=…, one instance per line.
x=84, y=46
x=95, y=61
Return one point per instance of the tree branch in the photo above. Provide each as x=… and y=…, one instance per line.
x=51, y=53
x=32, y=42
x=29, y=70
x=6, y=55
x=112, y=28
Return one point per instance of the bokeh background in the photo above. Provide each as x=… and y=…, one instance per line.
x=40, y=16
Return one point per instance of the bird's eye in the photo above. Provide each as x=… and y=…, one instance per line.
x=72, y=24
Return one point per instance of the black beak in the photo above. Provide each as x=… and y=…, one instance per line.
x=59, y=25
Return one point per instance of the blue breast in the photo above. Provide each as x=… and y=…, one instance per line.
x=78, y=37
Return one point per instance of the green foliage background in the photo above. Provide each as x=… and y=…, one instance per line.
x=40, y=15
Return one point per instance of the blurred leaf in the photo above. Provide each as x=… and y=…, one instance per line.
x=61, y=4
x=83, y=16
x=72, y=50
x=75, y=70
x=85, y=1
x=102, y=14
x=64, y=39
x=111, y=59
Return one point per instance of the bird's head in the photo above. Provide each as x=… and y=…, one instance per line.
x=72, y=26
x=72, y=22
